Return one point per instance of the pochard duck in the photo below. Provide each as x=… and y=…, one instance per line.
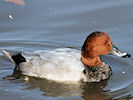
x=66, y=64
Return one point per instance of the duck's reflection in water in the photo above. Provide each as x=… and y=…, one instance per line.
x=88, y=91
x=95, y=91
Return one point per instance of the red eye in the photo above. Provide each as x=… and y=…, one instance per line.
x=102, y=42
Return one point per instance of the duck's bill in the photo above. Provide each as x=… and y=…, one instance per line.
x=115, y=51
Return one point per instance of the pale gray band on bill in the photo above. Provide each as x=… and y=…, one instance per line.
x=115, y=51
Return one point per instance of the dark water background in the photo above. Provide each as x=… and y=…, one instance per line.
x=48, y=24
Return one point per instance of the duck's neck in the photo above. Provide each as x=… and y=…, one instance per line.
x=91, y=62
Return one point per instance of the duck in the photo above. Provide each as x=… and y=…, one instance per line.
x=68, y=64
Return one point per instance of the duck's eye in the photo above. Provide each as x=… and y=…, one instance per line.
x=102, y=42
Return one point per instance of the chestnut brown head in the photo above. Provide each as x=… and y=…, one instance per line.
x=97, y=44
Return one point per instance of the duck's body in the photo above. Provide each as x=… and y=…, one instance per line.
x=65, y=64
x=60, y=64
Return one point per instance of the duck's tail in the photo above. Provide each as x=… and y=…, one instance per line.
x=15, y=57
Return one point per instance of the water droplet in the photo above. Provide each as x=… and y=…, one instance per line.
x=123, y=72
x=11, y=17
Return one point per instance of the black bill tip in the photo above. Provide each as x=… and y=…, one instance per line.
x=127, y=56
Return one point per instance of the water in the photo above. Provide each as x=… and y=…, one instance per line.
x=49, y=24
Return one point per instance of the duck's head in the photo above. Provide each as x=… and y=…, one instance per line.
x=97, y=44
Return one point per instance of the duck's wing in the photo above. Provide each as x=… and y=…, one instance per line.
x=59, y=64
